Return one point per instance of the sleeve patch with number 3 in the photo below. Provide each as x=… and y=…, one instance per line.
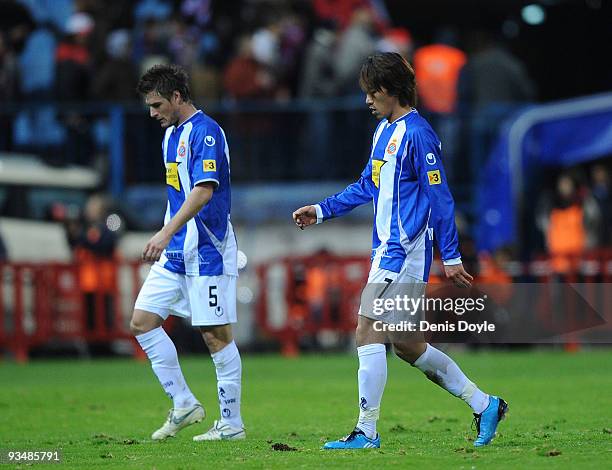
x=210, y=165
x=434, y=177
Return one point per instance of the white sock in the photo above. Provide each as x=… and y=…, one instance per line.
x=229, y=370
x=442, y=370
x=372, y=377
x=161, y=352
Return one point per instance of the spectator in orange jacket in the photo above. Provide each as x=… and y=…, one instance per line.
x=94, y=246
x=565, y=232
x=437, y=68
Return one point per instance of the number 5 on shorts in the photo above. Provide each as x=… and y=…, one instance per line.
x=212, y=296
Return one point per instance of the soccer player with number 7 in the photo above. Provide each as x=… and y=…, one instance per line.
x=194, y=257
x=405, y=181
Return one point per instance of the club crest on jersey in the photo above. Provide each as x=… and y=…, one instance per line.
x=392, y=147
x=430, y=158
x=209, y=140
x=182, y=150
x=376, y=166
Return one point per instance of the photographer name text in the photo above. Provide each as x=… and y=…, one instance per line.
x=425, y=326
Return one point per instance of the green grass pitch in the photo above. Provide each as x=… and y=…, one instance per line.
x=101, y=413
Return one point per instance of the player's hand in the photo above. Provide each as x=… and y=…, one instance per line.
x=458, y=275
x=155, y=246
x=305, y=216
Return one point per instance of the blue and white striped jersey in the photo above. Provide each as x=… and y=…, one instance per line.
x=405, y=180
x=195, y=152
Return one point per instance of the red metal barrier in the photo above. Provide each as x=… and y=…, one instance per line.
x=286, y=312
x=308, y=307
x=298, y=296
x=43, y=303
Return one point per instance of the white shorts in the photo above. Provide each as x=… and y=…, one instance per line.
x=208, y=300
x=385, y=284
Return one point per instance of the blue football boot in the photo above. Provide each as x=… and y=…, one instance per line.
x=487, y=421
x=355, y=440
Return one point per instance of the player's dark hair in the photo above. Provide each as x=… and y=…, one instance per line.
x=390, y=71
x=165, y=80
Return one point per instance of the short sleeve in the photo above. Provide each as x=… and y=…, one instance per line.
x=207, y=152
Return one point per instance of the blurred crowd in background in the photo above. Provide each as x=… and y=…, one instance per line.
x=276, y=51
x=61, y=59
x=79, y=50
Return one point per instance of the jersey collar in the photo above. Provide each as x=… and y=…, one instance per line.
x=188, y=119
x=413, y=110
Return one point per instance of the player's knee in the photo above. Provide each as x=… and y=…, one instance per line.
x=366, y=333
x=363, y=332
x=409, y=352
x=139, y=324
x=216, y=338
x=137, y=327
x=362, y=337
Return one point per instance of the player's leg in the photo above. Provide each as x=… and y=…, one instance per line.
x=160, y=350
x=442, y=370
x=372, y=374
x=228, y=366
x=371, y=377
x=158, y=296
x=213, y=302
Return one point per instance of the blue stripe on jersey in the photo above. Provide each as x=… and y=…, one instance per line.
x=196, y=152
x=405, y=180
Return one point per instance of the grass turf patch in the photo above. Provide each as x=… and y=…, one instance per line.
x=101, y=413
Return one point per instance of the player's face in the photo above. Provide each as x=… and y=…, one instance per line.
x=165, y=111
x=381, y=104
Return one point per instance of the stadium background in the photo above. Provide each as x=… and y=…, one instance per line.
x=80, y=167
x=280, y=78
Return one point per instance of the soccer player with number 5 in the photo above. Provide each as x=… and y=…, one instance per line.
x=194, y=257
x=405, y=180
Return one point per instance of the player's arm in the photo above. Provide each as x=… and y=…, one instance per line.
x=197, y=199
x=207, y=154
x=354, y=195
x=428, y=165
